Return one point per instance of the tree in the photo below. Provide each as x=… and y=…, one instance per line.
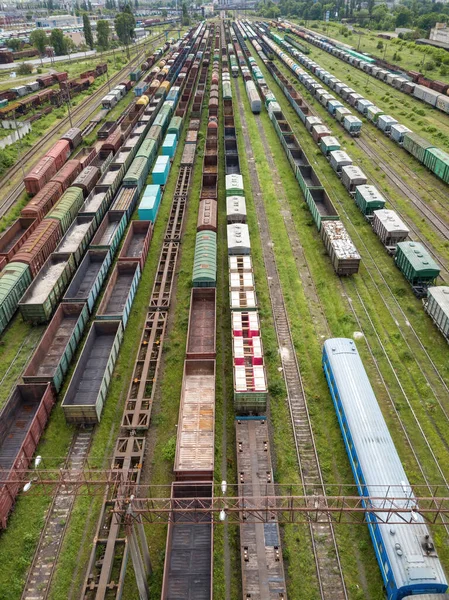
x=370, y=7
x=15, y=44
x=69, y=44
x=25, y=69
x=88, y=31
x=185, y=15
x=136, y=4
x=103, y=33
x=39, y=40
x=124, y=24
x=403, y=16
x=89, y=5
x=57, y=40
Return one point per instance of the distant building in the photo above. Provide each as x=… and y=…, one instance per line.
x=57, y=21
x=208, y=10
x=440, y=33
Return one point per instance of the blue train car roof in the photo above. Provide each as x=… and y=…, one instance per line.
x=381, y=466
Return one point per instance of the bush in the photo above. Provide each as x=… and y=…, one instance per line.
x=380, y=45
x=443, y=71
x=429, y=65
x=169, y=450
x=25, y=69
x=38, y=70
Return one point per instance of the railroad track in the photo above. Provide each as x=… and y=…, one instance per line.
x=328, y=566
x=79, y=115
x=45, y=558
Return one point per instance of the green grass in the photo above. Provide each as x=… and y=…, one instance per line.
x=423, y=119
x=411, y=55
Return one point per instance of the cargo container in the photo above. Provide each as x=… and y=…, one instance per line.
x=201, y=332
x=234, y=185
x=417, y=266
x=67, y=174
x=238, y=239
x=352, y=124
x=426, y=94
x=207, y=215
x=188, y=566
x=84, y=400
x=86, y=156
x=437, y=161
x=42, y=202
x=342, y=252
x=87, y=179
x=329, y=144
x=416, y=145
x=373, y=113
x=137, y=242
x=77, y=238
x=205, y=260
x=339, y=159
x=96, y=204
x=250, y=389
x=385, y=122
x=436, y=306
x=110, y=232
x=389, y=228
x=175, y=126
x=319, y=131
x=39, y=246
x=39, y=175
x=169, y=145
x=73, y=136
x=333, y=105
x=351, y=177
x=125, y=201
x=59, y=153
x=311, y=122
x=149, y=205
x=195, y=444
x=86, y=284
x=66, y=209
x=320, y=206
x=188, y=155
x=161, y=170
x=368, y=199
x=42, y=297
x=398, y=131
x=22, y=421
x=119, y=293
x=14, y=280
x=137, y=174
x=15, y=236
x=52, y=357
x=235, y=209
x=341, y=112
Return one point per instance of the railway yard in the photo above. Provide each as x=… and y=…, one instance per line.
x=224, y=327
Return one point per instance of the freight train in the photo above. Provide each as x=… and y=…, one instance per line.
x=406, y=554
x=412, y=258
x=101, y=220
x=435, y=159
x=343, y=253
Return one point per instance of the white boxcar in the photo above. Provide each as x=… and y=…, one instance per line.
x=437, y=307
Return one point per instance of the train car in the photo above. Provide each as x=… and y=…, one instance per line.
x=15, y=236
x=88, y=279
x=417, y=266
x=436, y=306
x=137, y=243
x=14, y=280
x=77, y=238
x=409, y=563
x=53, y=355
x=119, y=294
x=86, y=395
x=22, y=421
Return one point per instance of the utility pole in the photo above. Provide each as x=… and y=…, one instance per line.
x=20, y=142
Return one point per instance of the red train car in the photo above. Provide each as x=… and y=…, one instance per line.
x=22, y=421
x=40, y=174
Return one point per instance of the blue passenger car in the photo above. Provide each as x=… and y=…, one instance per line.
x=406, y=555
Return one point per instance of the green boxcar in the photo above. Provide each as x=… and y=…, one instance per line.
x=67, y=207
x=205, y=261
x=51, y=359
x=137, y=173
x=148, y=150
x=329, y=143
x=416, y=264
x=368, y=199
x=416, y=145
x=437, y=161
x=14, y=280
x=175, y=126
x=155, y=133
x=42, y=297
